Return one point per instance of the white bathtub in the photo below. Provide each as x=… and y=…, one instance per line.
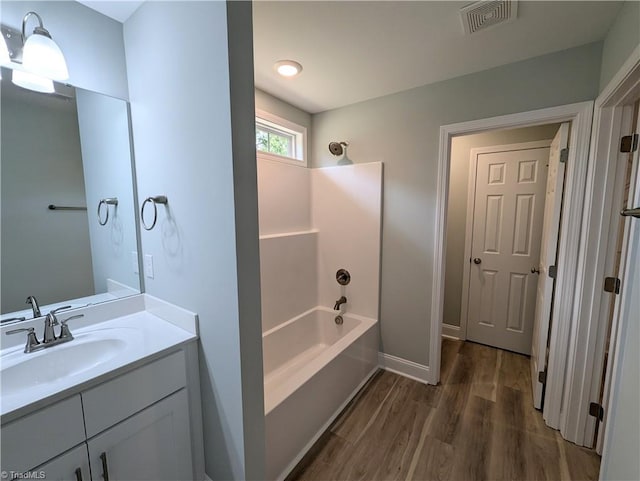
x=312, y=368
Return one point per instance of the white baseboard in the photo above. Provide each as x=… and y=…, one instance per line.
x=207, y=478
x=405, y=368
x=451, y=332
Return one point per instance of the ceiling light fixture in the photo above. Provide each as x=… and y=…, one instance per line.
x=41, y=55
x=288, y=68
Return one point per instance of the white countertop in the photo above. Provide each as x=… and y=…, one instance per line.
x=101, y=349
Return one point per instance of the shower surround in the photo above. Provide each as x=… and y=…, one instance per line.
x=312, y=223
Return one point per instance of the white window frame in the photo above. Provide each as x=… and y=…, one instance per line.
x=274, y=122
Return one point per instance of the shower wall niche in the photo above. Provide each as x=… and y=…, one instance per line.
x=313, y=222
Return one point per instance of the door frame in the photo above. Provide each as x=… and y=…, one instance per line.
x=468, y=236
x=586, y=351
x=580, y=115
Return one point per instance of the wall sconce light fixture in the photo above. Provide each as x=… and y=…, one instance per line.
x=36, y=60
x=40, y=54
x=31, y=81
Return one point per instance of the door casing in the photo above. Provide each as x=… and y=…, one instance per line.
x=580, y=115
x=612, y=119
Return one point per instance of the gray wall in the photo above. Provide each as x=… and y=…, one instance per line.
x=192, y=112
x=92, y=43
x=402, y=130
x=622, y=38
x=274, y=105
x=42, y=165
x=457, y=206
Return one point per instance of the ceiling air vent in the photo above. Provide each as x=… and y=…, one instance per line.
x=485, y=14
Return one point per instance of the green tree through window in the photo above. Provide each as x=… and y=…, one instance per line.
x=273, y=142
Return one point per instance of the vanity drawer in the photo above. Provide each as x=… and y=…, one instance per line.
x=115, y=400
x=38, y=437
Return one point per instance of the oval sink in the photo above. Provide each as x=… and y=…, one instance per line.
x=50, y=365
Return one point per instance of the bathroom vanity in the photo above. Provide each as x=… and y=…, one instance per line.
x=119, y=401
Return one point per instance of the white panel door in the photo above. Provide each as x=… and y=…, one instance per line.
x=505, y=246
x=548, y=252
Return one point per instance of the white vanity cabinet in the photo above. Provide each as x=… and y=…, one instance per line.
x=34, y=439
x=153, y=445
x=71, y=466
x=136, y=426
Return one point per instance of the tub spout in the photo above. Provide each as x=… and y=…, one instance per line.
x=339, y=302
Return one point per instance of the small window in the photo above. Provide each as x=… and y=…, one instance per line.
x=281, y=140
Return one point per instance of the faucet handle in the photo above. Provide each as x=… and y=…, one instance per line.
x=64, y=329
x=60, y=309
x=32, y=340
x=21, y=329
x=51, y=319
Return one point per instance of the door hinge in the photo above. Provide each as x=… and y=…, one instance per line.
x=564, y=155
x=542, y=377
x=553, y=271
x=596, y=411
x=629, y=143
x=612, y=284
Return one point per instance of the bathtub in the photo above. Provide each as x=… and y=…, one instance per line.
x=312, y=369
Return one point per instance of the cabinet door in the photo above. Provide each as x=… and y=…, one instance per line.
x=71, y=466
x=153, y=445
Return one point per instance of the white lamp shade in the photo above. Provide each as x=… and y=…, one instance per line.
x=4, y=52
x=43, y=57
x=32, y=81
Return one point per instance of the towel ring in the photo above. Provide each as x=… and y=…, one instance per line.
x=158, y=199
x=105, y=202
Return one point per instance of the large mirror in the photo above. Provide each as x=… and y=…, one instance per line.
x=61, y=155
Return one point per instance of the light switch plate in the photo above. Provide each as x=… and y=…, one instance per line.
x=148, y=266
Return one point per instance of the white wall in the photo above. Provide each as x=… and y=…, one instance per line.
x=402, y=130
x=457, y=206
x=45, y=253
x=205, y=246
x=346, y=210
x=283, y=189
x=288, y=276
x=92, y=43
x=288, y=263
x=288, y=266
x=283, y=197
x=108, y=172
x=313, y=222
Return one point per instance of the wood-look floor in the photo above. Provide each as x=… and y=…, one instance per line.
x=478, y=424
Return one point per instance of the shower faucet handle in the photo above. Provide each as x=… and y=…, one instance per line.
x=343, y=277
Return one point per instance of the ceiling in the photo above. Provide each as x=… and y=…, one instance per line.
x=357, y=50
x=119, y=10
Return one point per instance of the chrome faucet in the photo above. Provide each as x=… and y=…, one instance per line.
x=339, y=302
x=49, y=338
x=34, y=306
